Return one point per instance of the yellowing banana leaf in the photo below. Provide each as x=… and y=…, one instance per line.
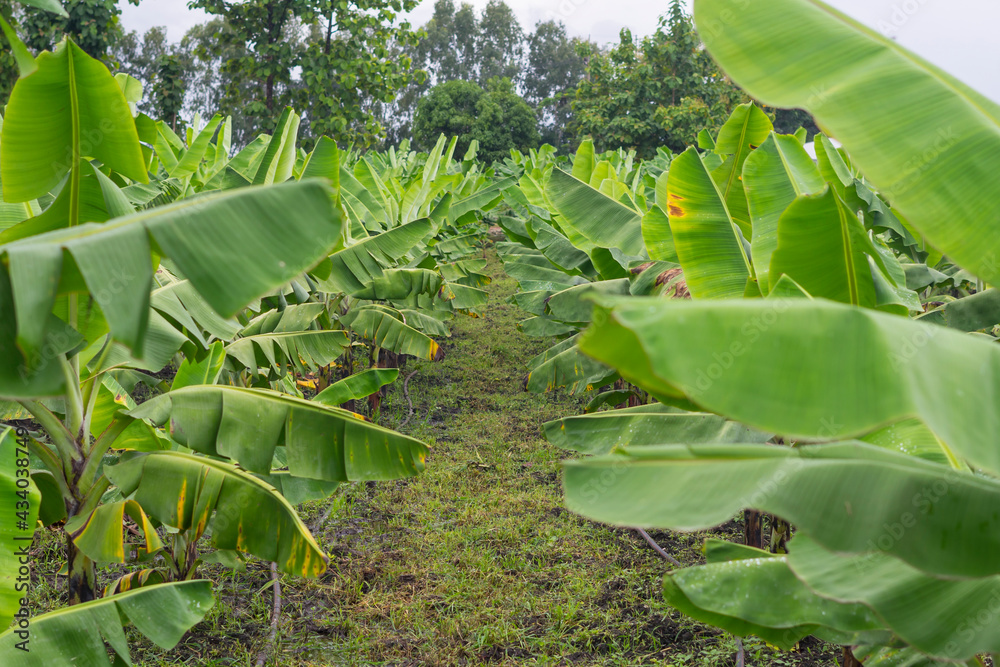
x=99, y=533
x=81, y=634
x=908, y=126
x=385, y=328
x=709, y=244
x=194, y=493
x=246, y=425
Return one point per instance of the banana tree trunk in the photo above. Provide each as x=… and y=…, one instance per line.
x=849, y=659
x=82, y=574
x=753, y=533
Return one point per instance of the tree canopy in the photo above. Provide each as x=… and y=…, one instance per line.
x=657, y=91
x=497, y=117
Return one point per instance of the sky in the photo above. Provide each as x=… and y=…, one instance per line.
x=956, y=35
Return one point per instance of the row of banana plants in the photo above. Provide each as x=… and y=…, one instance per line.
x=281, y=285
x=808, y=338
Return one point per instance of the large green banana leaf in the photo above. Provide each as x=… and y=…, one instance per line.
x=80, y=635
x=283, y=230
x=593, y=217
x=849, y=497
x=808, y=369
x=301, y=351
x=192, y=157
x=385, y=327
x=292, y=319
x=351, y=269
x=69, y=107
x=602, y=432
x=929, y=142
x=574, y=304
x=558, y=250
x=355, y=386
x=901, y=596
x=708, y=243
x=246, y=425
x=730, y=594
x=824, y=248
x=774, y=175
x=567, y=368
x=979, y=311
x=192, y=493
x=656, y=235
x=398, y=284
x=746, y=129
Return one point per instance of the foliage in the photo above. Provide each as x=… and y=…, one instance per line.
x=118, y=261
x=92, y=24
x=658, y=92
x=497, y=118
x=344, y=51
x=794, y=285
x=555, y=65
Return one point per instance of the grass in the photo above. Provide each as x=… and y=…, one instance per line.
x=475, y=561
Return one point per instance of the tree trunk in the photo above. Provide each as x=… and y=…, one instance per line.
x=753, y=534
x=849, y=659
x=82, y=575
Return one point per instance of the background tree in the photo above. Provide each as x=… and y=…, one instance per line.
x=8, y=67
x=498, y=118
x=92, y=24
x=332, y=59
x=168, y=89
x=356, y=67
x=204, y=51
x=659, y=91
x=500, y=44
x=555, y=66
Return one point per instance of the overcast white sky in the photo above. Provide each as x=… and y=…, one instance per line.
x=957, y=35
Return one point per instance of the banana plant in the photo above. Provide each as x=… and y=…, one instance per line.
x=888, y=473
x=85, y=318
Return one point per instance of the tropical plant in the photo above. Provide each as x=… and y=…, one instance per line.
x=877, y=464
x=117, y=258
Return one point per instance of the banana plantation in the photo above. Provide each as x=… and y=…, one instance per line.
x=741, y=412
